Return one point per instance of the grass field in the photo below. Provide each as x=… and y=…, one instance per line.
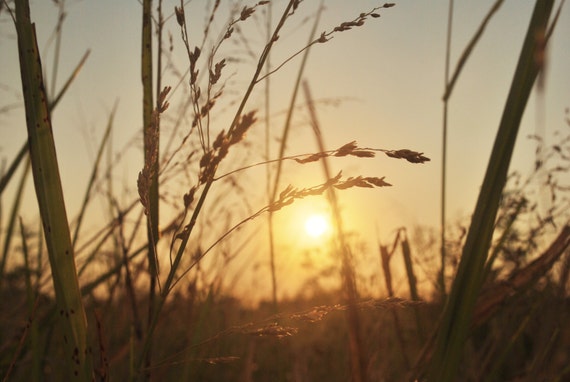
x=165, y=288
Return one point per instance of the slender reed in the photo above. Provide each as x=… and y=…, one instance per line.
x=449, y=85
x=358, y=354
x=385, y=257
x=412, y=282
x=444, y=155
x=457, y=315
x=151, y=128
x=268, y=171
x=71, y=317
x=239, y=122
x=283, y=145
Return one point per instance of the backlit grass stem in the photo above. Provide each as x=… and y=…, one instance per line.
x=70, y=311
x=151, y=129
x=283, y=145
x=185, y=235
x=357, y=350
x=457, y=315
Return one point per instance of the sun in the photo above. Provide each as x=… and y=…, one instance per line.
x=316, y=225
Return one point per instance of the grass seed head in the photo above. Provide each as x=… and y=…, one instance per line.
x=179, y=15
x=409, y=155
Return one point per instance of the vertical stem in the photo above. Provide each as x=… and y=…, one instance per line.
x=286, y=130
x=71, y=312
x=412, y=281
x=358, y=359
x=385, y=258
x=444, y=153
x=185, y=235
x=151, y=150
x=267, y=168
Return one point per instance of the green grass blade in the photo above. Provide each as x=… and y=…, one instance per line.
x=71, y=313
x=457, y=314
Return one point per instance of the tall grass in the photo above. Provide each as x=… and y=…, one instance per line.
x=71, y=314
x=155, y=305
x=456, y=318
x=358, y=356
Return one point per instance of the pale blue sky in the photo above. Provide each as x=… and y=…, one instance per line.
x=390, y=73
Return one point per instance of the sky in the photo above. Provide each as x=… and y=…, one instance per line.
x=380, y=84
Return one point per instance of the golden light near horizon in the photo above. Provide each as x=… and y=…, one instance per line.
x=317, y=225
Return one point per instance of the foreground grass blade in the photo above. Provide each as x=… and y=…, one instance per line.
x=456, y=319
x=71, y=313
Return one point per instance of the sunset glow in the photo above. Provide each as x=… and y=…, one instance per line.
x=316, y=225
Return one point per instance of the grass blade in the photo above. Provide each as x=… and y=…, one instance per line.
x=71, y=313
x=458, y=311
